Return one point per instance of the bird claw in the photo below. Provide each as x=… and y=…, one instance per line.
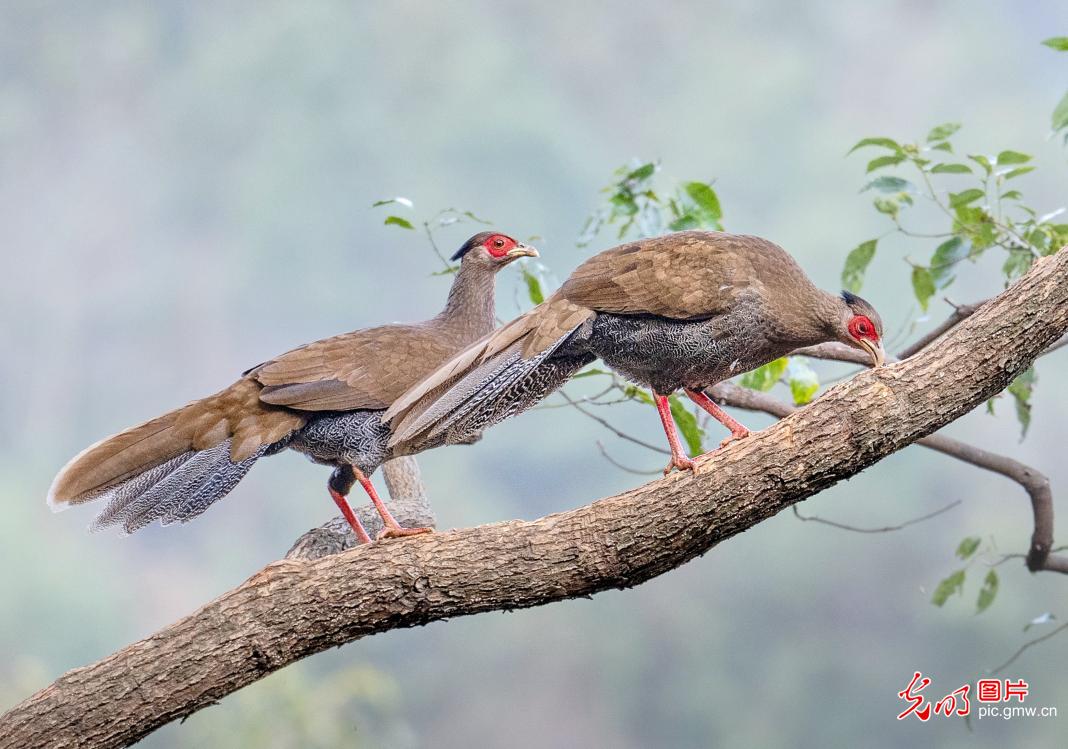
x=400, y=532
x=680, y=462
x=735, y=436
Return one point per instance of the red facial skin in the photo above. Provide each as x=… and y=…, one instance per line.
x=860, y=327
x=499, y=245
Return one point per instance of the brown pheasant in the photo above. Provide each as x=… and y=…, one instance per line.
x=682, y=311
x=324, y=399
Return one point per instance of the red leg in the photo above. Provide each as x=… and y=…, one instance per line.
x=357, y=526
x=737, y=430
x=678, y=456
x=393, y=529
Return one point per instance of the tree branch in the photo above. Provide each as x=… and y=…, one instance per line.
x=294, y=608
x=1034, y=482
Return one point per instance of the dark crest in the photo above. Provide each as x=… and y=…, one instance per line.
x=471, y=244
x=862, y=307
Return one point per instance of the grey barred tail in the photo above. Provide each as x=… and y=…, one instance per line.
x=175, y=491
x=503, y=386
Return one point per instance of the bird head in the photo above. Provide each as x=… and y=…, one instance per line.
x=492, y=249
x=861, y=327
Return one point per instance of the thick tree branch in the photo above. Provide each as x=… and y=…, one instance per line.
x=294, y=608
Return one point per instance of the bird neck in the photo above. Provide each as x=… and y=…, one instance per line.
x=806, y=319
x=471, y=306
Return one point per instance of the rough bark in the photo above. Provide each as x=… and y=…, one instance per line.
x=294, y=608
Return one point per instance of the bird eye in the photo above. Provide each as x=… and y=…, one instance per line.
x=861, y=327
x=498, y=243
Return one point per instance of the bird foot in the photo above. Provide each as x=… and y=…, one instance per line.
x=735, y=436
x=680, y=462
x=400, y=532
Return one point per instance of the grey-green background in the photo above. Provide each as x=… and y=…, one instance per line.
x=184, y=191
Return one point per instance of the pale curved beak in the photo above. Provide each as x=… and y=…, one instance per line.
x=875, y=350
x=521, y=250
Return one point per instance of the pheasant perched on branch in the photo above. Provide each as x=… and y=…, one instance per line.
x=683, y=311
x=324, y=399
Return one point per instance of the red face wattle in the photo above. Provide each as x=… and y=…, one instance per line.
x=499, y=245
x=864, y=332
x=862, y=328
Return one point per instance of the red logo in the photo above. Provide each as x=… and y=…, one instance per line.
x=956, y=702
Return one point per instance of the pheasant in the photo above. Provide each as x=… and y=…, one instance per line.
x=324, y=399
x=682, y=311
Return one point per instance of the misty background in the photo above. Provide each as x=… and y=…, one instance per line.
x=185, y=191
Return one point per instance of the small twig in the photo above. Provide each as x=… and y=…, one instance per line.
x=1023, y=648
x=884, y=529
x=593, y=400
x=621, y=466
x=960, y=312
x=607, y=425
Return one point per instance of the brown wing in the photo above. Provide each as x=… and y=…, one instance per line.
x=687, y=275
x=364, y=369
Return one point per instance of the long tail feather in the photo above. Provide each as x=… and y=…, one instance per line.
x=173, y=467
x=500, y=387
x=176, y=491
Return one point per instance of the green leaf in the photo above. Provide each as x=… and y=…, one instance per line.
x=398, y=221
x=1045, y=618
x=856, y=265
x=533, y=286
x=923, y=285
x=1017, y=172
x=988, y=592
x=639, y=394
x=706, y=200
x=968, y=546
x=403, y=201
x=624, y=204
x=1012, y=195
x=977, y=224
x=882, y=142
x=946, y=255
x=684, y=222
x=889, y=184
x=1018, y=262
x=1021, y=389
x=889, y=206
x=476, y=219
x=645, y=171
x=1059, y=43
x=943, y=131
x=951, y=169
x=804, y=383
x=947, y=587
x=943, y=146
x=687, y=424
x=982, y=161
x=764, y=378
x=964, y=197
x=1012, y=157
x=1060, y=114
x=591, y=372
x=880, y=162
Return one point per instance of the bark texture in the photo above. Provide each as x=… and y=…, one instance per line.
x=294, y=608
